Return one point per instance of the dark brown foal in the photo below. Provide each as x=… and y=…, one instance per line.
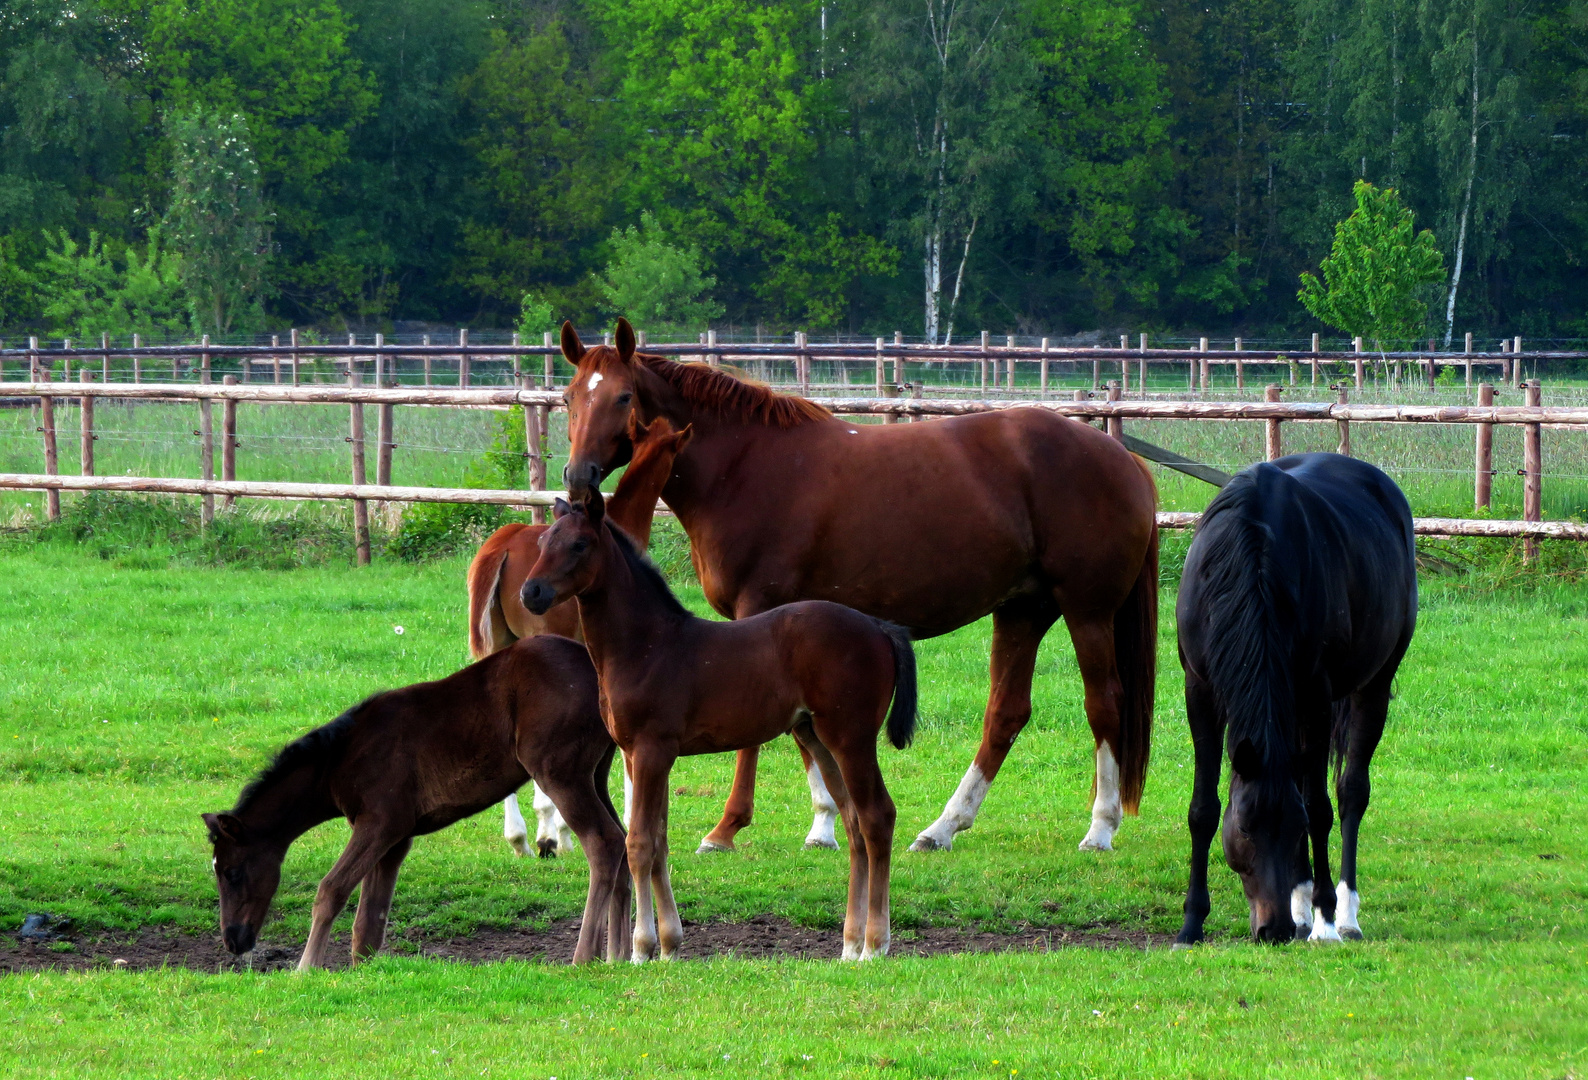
x=673, y=684
x=413, y=761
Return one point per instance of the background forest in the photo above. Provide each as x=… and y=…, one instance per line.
x=935, y=166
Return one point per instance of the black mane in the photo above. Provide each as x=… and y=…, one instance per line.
x=646, y=570
x=323, y=748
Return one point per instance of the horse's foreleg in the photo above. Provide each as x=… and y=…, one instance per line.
x=1320, y=822
x=1018, y=629
x=514, y=830
x=1094, y=652
x=364, y=850
x=1365, y=726
x=1207, y=741
x=647, y=841
x=824, y=808
x=740, y=807
x=856, y=905
x=552, y=834
x=374, y=901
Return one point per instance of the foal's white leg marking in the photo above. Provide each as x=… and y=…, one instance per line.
x=826, y=812
x=1322, y=929
x=1301, y=905
x=628, y=792
x=551, y=831
x=513, y=827
x=958, y=815
x=1347, y=906
x=1107, y=811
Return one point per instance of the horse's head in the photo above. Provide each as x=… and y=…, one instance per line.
x=658, y=444
x=247, y=871
x=570, y=554
x=1265, y=840
x=601, y=408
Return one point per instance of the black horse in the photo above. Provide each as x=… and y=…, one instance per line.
x=1298, y=601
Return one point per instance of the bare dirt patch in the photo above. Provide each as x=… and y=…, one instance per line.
x=764, y=937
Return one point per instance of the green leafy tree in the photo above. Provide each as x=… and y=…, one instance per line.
x=86, y=294
x=18, y=287
x=657, y=285
x=217, y=219
x=1376, y=276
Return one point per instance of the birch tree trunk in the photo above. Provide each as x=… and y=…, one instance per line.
x=1466, y=202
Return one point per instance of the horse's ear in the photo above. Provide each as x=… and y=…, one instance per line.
x=224, y=827
x=595, y=507
x=560, y=509
x=624, y=339
x=572, y=347
x=1248, y=764
x=681, y=439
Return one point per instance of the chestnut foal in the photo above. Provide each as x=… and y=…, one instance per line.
x=413, y=761
x=497, y=617
x=673, y=684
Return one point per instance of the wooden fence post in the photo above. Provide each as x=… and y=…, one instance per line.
x=551, y=360
x=1467, y=356
x=983, y=364
x=1361, y=371
x=1314, y=359
x=206, y=437
x=1115, y=425
x=1483, y=474
x=275, y=359
x=1344, y=426
x=1532, y=467
x=52, y=461
x=426, y=340
x=463, y=358
x=229, y=439
x=534, y=451
x=137, y=361
x=85, y=408
x=1271, y=393
x=900, y=373
x=880, y=369
x=1202, y=365
x=1505, y=361
x=1044, y=367
x=1141, y=376
x=1009, y=342
x=294, y=339
x=360, y=506
x=1097, y=375
x=712, y=358
x=1516, y=363
x=802, y=363
x=104, y=357
x=1240, y=368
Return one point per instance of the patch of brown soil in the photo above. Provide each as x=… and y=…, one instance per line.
x=763, y=937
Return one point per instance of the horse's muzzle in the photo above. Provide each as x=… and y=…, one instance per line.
x=537, y=596
x=581, y=478
x=239, y=938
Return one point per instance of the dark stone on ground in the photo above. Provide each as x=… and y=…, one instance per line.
x=763, y=937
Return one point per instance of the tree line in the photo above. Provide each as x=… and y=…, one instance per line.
x=935, y=166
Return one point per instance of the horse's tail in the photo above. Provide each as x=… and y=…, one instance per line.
x=1340, y=735
x=485, y=578
x=901, y=718
x=1136, y=657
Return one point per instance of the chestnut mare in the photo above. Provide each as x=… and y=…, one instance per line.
x=413, y=761
x=674, y=684
x=1018, y=513
x=497, y=617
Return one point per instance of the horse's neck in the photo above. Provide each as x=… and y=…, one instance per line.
x=622, y=610
x=291, y=806
x=633, y=504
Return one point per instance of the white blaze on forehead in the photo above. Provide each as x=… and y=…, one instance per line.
x=595, y=380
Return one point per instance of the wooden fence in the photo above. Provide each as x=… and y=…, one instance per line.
x=287, y=386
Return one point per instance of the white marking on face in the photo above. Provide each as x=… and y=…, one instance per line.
x=1301, y=904
x=595, y=380
x=852, y=431
x=958, y=815
x=822, y=832
x=1107, y=810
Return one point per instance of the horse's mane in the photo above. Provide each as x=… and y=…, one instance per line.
x=728, y=396
x=323, y=747
x=644, y=569
x=1247, y=652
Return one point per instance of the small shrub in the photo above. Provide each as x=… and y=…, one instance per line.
x=436, y=530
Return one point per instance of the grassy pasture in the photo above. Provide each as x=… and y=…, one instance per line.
x=138, y=695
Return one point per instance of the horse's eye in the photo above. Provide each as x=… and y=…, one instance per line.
x=235, y=875
x=580, y=547
x=625, y=399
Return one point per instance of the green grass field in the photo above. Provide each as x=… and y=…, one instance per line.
x=141, y=692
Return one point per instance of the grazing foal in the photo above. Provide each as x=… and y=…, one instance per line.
x=413, y=761
x=673, y=684
x=497, y=617
x=1298, y=600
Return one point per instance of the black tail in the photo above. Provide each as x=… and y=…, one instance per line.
x=901, y=718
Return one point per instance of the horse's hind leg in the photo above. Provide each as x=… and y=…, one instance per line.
x=514, y=831
x=1094, y=652
x=857, y=905
x=374, y=901
x=552, y=834
x=598, y=830
x=1364, y=728
x=1018, y=628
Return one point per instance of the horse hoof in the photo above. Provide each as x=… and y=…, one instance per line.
x=1303, y=931
x=821, y=843
x=1182, y=945
x=928, y=842
x=520, y=845
x=1350, y=933
x=708, y=846
x=1090, y=844
x=547, y=848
